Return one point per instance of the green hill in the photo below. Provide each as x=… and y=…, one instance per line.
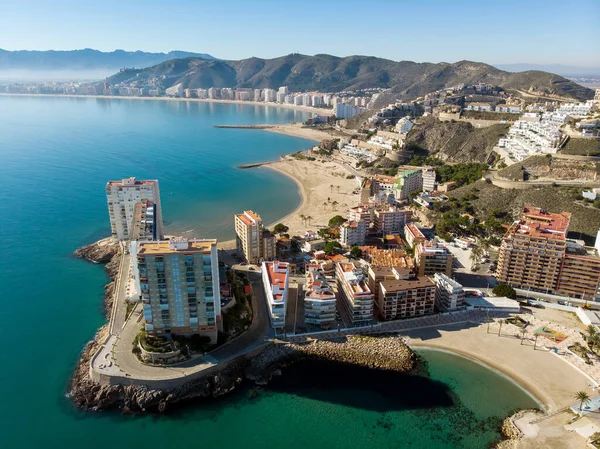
x=328, y=73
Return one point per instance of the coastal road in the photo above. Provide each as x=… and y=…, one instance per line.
x=119, y=307
x=258, y=333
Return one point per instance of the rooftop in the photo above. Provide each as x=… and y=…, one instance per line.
x=277, y=273
x=249, y=218
x=130, y=182
x=397, y=285
x=175, y=246
x=415, y=231
x=537, y=222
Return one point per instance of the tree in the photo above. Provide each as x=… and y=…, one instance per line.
x=334, y=205
x=308, y=219
x=535, y=343
x=591, y=330
x=294, y=245
x=500, y=328
x=523, y=333
x=324, y=205
x=280, y=228
x=476, y=254
x=489, y=320
x=303, y=218
x=504, y=290
x=337, y=221
x=356, y=252
x=331, y=247
x=338, y=187
x=330, y=188
x=583, y=398
x=325, y=233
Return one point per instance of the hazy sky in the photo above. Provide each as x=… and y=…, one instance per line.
x=503, y=31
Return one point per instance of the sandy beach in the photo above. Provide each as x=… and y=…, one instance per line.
x=318, y=184
x=325, y=191
x=318, y=111
x=297, y=130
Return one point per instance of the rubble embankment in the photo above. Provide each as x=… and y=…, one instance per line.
x=384, y=352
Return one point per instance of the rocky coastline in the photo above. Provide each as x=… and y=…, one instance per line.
x=511, y=434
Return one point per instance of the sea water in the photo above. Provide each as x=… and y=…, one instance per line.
x=56, y=155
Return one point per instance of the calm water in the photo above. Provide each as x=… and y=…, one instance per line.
x=55, y=157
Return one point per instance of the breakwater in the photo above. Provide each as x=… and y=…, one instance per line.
x=254, y=164
x=244, y=126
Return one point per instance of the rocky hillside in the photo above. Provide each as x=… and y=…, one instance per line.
x=455, y=141
x=405, y=79
x=549, y=168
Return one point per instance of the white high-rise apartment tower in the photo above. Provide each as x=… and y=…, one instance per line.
x=124, y=197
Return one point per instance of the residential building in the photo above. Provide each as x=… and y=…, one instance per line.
x=353, y=233
x=408, y=181
x=404, y=125
x=378, y=274
x=390, y=219
x=174, y=91
x=280, y=97
x=275, y=277
x=123, y=198
x=580, y=274
x=533, y=249
x=213, y=93
x=346, y=110
x=317, y=101
x=306, y=100
x=178, y=281
x=512, y=109
x=576, y=109
x=449, y=294
x=252, y=240
x=257, y=95
x=283, y=90
x=270, y=95
x=319, y=300
x=413, y=235
x=432, y=257
x=362, y=212
x=478, y=106
x=354, y=293
x=406, y=298
x=428, y=175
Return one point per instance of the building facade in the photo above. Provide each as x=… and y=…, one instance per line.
x=406, y=298
x=407, y=182
x=275, y=276
x=354, y=293
x=319, y=300
x=449, y=294
x=124, y=197
x=390, y=220
x=178, y=281
x=432, y=257
x=252, y=239
x=353, y=233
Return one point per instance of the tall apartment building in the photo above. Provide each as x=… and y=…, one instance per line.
x=363, y=212
x=354, y=293
x=319, y=300
x=449, y=294
x=353, y=233
x=378, y=274
x=275, y=277
x=270, y=95
x=390, y=220
x=213, y=93
x=406, y=298
x=533, y=250
x=432, y=257
x=178, y=281
x=123, y=198
x=252, y=239
x=580, y=275
x=283, y=90
x=428, y=175
x=408, y=181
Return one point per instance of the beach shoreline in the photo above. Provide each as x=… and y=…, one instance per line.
x=310, y=109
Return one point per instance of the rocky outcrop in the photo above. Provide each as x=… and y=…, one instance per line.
x=385, y=352
x=100, y=252
x=510, y=432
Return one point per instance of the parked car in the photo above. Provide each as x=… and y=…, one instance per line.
x=562, y=303
x=251, y=269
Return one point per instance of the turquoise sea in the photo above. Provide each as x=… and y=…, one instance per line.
x=56, y=154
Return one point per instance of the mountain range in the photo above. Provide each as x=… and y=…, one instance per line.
x=86, y=59
x=559, y=69
x=326, y=73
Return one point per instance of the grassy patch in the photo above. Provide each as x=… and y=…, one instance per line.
x=582, y=147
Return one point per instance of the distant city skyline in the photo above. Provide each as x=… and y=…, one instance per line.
x=512, y=32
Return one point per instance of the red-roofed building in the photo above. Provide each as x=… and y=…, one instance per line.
x=275, y=276
x=319, y=300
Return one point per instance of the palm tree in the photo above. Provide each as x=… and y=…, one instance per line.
x=338, y=187
x=330, y=188
x=535, y=343
x=334, y=204
x=523, y=333
x=309, y=218
x=476, y=254
x=302, y=217
x=500, y=328
x=591, y=330
x=489, y=320
x=583, y=398
x=324, y=205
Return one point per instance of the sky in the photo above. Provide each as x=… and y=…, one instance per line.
x=496, y=32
